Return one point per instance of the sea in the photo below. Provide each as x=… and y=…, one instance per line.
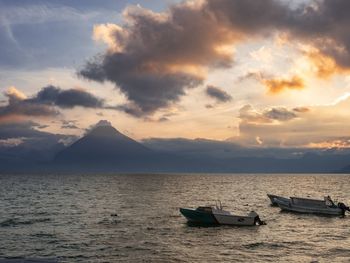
x=135, y=218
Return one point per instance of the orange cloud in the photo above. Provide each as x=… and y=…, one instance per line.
x=278, y=85
x=14, y=93
x=324, y=66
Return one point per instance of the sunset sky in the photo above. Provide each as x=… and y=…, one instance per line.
x=269, y=73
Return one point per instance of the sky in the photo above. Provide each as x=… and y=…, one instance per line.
x=269, y=73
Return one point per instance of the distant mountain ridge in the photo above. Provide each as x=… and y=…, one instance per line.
x=104, y=149
x=345, y=169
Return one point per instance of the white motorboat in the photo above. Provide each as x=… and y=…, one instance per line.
x=216, y=215
x=312, y=206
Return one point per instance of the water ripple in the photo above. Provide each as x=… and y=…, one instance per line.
x=135, y=218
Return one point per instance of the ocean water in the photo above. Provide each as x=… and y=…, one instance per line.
x=68, y=218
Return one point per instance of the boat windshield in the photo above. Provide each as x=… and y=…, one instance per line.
x=204, y=208
x=329, y=201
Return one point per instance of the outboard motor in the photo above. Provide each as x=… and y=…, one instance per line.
x=258, y=221
x=343, y=207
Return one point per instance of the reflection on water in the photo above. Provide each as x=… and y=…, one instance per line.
x=135, y=218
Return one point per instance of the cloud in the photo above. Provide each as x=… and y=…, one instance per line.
x=100, y=123
x=278, y=85
x=12, y=142
x=67, y=98
x=154, y=58
x=325, y=25
x=46, y=102
x=103, y=123
x=332, y=143
x=18, y=105
x=301, y=109
x=147, y=89
x=311, y=126
x=279, y=114
x=248, y=114
x=163, y=119
x=218, y=94
x=324, y=66
x=14, y=94
x=69, y=124
x=273, y=84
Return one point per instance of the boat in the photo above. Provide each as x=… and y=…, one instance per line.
x=216, y=215
x=312, y=206
x=281, y=198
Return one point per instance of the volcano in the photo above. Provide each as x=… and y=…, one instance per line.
x=104, y=145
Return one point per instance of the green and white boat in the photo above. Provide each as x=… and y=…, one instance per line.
x=216, y=215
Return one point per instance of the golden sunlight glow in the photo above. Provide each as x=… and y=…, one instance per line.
x=225, y=50
x=340, y=144
x=108, y=33
x=15, y=93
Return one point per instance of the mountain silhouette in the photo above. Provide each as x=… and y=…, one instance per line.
x=345, y=169
x=104, y=145
x=104, y=149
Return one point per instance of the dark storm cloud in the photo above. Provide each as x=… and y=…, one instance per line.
x=45, y=102
x=218, y=94
x=67, y=98
x=147, y=91
x=247, y=16
x=19, y=106
x=325, y=24
x=153, y=58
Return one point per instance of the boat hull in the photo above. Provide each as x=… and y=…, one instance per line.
x=235, y=220
x=274, y=197
x=330, y=211
x=217, y=218
x=199, y=217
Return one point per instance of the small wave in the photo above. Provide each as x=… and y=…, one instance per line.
x=264, y=244
x=339, y=250
x=28, y=260
x=107, y=221
x=44, y=235
x=15, y=222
